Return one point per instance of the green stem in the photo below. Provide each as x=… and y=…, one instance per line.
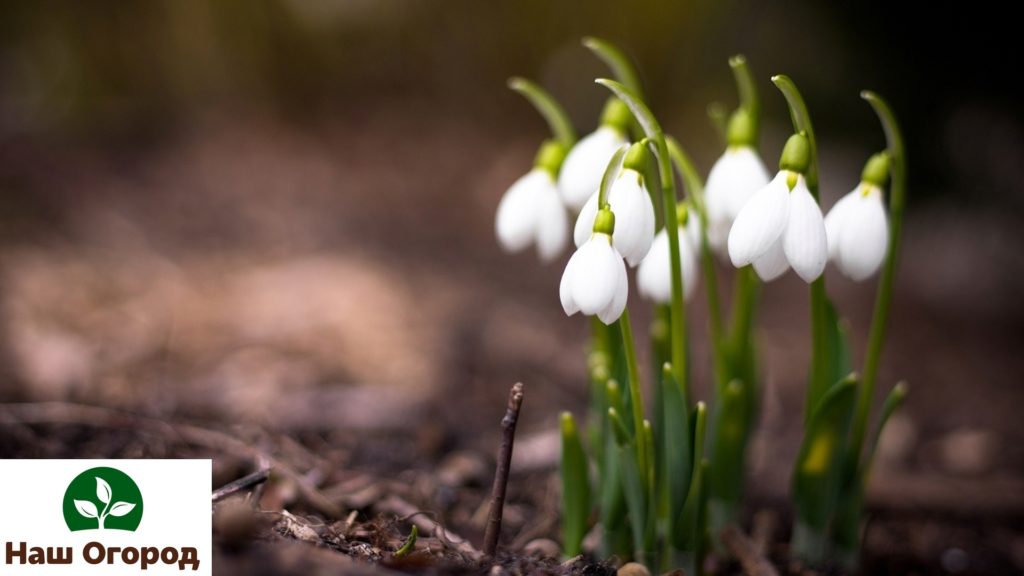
x=548, y=107
x=747, y=87
x=635, y=397
x=695, y=187
x=653, y=131
x=745, y=303
x=819, y=345
x=620, y=64
x=610, y=173
x=879, y=320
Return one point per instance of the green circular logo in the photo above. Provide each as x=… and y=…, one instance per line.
x=102, y=499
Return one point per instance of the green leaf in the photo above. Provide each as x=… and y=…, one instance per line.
x=558, y=121
x=837, y=358
x=690, y=528
x=729, y=441
x=621, y=66
x=410, y=543
x=678, y=445
x=575, y=488
x=613, y=502
x=819, y=467
x=636, y=499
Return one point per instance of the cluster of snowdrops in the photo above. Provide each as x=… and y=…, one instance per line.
x=662, y=483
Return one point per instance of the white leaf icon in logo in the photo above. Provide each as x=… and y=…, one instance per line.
x=102, y=490
x=121, y=509
x=86, y=508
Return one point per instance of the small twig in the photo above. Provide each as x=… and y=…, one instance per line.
x=508, y=436
x=753, y=563
x=256, y=478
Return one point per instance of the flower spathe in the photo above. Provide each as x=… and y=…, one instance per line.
x=634, y=217
x=584, y=165
x=736, y=175
x=654, y=276
x=531, y=212
x=857, y=228
x=594, y=281
x=780, y=227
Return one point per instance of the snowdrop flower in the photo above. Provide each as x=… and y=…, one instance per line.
x=531, y=211
x=585, y=164
x=732, y=180
x=654, y=277
x=594, y=281
x=858, y=227
x=781, y=225
x=634, y=210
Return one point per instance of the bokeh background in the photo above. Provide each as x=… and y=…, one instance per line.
x=280, y=213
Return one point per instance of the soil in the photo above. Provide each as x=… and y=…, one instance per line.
x=235, y=291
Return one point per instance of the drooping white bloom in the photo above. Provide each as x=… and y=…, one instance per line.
x=584, y=165
x=654, y=277
x=594, y=281
x=532, y=213
x=779, y=227
x=634, y=217
x=858, y=232
x=732, y=180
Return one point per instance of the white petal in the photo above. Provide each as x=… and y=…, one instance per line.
x=693, y=231
x=836, y=219
x=552, y=232
x=864, y=238
x=516, y=220
x=760, y=222
x=733, y=179
x=653, y=277
x=585, y=221
x=772, y=263
x=804, y=240
x=565, y=286
x=634, y=216
x=614, y=309
x=594, y=279
x=585, y=164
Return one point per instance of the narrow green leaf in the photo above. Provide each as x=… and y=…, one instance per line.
x=617, y=535
x=819, y=468
x=837, y=357
x=687, y=531
x=678, y=445
x=729, y=441
x=620, y=64
x=558, y=121
x=575, y=488
x=636, y=499
x=622, y=436
x=410, y=543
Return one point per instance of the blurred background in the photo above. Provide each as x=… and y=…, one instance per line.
x=281, y=213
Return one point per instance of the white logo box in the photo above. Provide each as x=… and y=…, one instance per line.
x=176, y=515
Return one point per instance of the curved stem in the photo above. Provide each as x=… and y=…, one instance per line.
x=558, y=121
x=801, y=123
x=719, y=116
x=635, y=397
x=879, y=320
x=610, y=173
x=620, y=64
x=819, y=345
x=747, y=87
x=651, y=127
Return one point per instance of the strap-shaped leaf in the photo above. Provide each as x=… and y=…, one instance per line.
x=677, y=444
x=837, y=357
x=819, y=467
x=575, y=488
x=689, y=529
x=729, y=440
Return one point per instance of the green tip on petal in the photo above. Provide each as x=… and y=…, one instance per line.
x=741, y=129
x=637, y=157
x=604, y=223
x=876, y=171
x=796, y=155
x=616, y=115
x=550, y=156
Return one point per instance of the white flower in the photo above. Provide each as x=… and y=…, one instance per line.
x=531, y=213
x=734, y=177
x=634, y=217
x=594, y=281
x=858, y=232
x=584, y=165
x=654, y=277
x=779, y=227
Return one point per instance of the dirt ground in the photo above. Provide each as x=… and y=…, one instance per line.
x=329, y=300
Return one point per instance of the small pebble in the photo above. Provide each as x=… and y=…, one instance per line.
x=633, y=569
x=542, y=548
